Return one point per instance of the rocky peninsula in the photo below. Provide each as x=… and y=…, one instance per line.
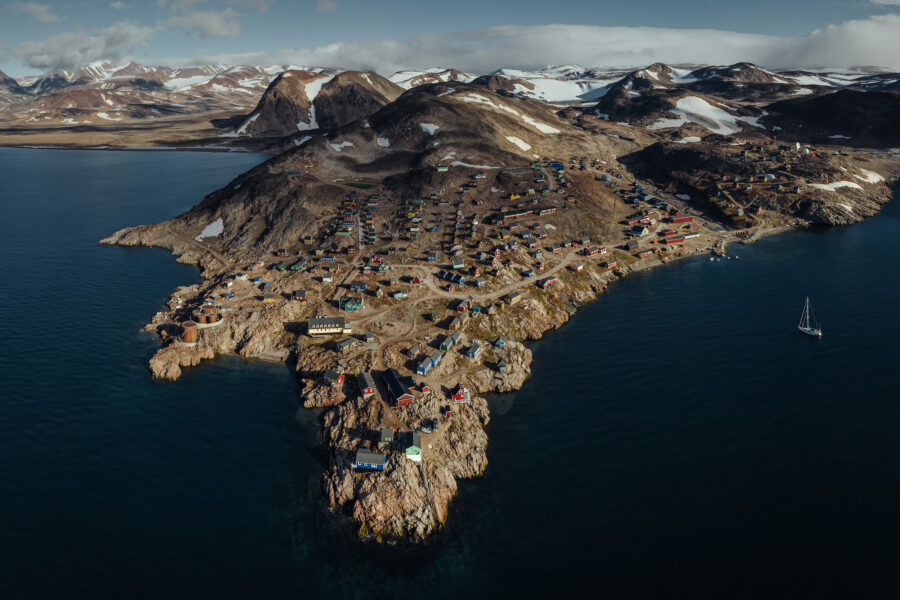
x=440, y=263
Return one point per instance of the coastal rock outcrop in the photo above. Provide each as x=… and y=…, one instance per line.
x=167, y=362
x=408, y=499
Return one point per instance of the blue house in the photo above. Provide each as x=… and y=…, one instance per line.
x=424, y=366
x=369, y=461
x=500, y=343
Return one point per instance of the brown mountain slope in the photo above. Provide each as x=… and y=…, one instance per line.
x=352, y=95
x=302, y=101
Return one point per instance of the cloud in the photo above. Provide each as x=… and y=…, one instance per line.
x=262, y=6
x=209, y=23
x=886, y=2
x=39, y=13
x=180, y=5
x=70, y=50
x=871, y=41
x=117, y=5
x=326, y=6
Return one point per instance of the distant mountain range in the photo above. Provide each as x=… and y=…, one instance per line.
x=283, y=104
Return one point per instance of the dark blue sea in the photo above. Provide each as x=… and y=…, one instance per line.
x=678, y=438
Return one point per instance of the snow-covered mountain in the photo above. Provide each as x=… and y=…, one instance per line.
x=103, y=91
x=249, y=102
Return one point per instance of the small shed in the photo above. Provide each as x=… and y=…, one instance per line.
x=346, y=345
x=387, y=435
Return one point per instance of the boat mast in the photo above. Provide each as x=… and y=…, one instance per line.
x=804, y=316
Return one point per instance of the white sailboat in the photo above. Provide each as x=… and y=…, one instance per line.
x=808, y=324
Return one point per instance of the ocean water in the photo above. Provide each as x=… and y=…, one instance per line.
x=678, y=438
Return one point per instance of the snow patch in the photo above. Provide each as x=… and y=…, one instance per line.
x=831, y=187
x=312, y=90
x=518, y=142
x=458, y=163
x=384, y=142
x=683, y=196
x=212, y=230
x=803, y=92
x=869, y=176
x=429, y=128
x=542, y=127
x=693, y=109
x=341, y=146
x=688, y=140
x=305, y=139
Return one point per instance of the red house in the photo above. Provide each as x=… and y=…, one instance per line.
x=683, y=219
x=674, y=240
x=366, y=384
x=333, y=377
x=460, y=394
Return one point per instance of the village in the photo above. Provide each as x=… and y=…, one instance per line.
x=401, y=312
x=442, y=267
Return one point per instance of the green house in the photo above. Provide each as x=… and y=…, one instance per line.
x=414, y=446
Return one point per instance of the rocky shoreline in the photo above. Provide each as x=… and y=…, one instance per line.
x=260, y=305
x=407, y=500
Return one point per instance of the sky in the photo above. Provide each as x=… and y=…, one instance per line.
x=473, y=35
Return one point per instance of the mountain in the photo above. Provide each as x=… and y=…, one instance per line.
x=742, y=72
x=464, y=127
x=10, y=89
x=102, y=92
x=352, y=95
x=846, y=116
x=300, y=100
x=411, y=79
x=551, y=84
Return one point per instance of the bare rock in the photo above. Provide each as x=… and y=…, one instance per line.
x=167, y=362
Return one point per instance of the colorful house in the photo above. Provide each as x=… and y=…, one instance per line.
x=366, y=384
x=397, y=391
x=460, y=395
x=369, y=461
x=414, y=446
x=333, y=377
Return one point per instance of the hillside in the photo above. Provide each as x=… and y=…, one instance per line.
x=10, y=90
x=846, y=116
x=303, y=101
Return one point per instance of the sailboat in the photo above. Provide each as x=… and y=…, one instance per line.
x=808, y=323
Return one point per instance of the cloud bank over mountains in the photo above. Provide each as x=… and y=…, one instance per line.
x=874, y=41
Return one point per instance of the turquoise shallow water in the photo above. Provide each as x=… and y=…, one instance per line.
x=678, y=437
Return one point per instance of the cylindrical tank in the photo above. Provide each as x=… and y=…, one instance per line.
x=213, y=318
x=208, y=309
x=203, y=319
x=196, y=316
x=188, y=332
